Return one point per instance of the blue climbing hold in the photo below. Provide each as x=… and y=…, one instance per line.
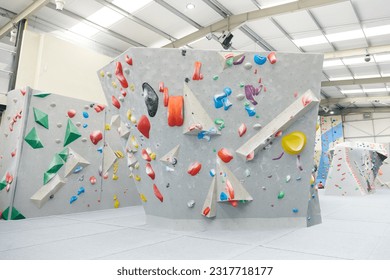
x=223, y=196
x=85, y=125
x=81, y=190
x=85, y=115
x=295, y=210
x=73, y=199
x=227, y=91
x=212, y=172
x=251, y=111
x=260, y=60
x=226, y=103
x=100, y=150
x=77, y=169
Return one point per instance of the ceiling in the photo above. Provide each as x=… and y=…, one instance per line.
x=345, y=31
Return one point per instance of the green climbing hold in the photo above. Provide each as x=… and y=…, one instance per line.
x=215, y=77
x=33, y=140
x=42, y=95
x=15, y=214
x=55, y=164
x=220, y=123
x=71, y=133
x=47, y=177
x=242, y=85
x=229, y=61
x=3, y=184
x=281, y=195
x=41, y=118
x=64, y=154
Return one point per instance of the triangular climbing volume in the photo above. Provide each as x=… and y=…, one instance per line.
x=229, y=188
x=71, y=133
x=209, y=209
x=196, y=118
x=229, y=59
x=109, y=158
x=41, y=118
x=74, y=161
x=171, y=156
x=33, y=140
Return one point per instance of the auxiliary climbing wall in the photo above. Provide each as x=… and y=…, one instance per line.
x=354, y=168
x=331, y=129
x=59, y=156
x=219, y=138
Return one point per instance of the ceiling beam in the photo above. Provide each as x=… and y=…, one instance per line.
x=36, y=5
x=382, y=100
x=357, y=52
x=363, y=110
x=381, y=80
x=235, y=21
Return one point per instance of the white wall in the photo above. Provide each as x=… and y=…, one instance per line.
x=53, y=65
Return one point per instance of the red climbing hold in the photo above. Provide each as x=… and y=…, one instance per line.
x=13, y=153
x=92, y=180
x=306, y=100
x=9, y=178
x=229, y=189
x=206, y=211
x=145, y=155
x=225, y=155
x=119, y=75
x=150, y=171
x=166, y=97
x=157, y=193
x=115, y=102
x=175, y=111
x=250, y=156
x=197, y=75
x=124, y=93
x=272, y=58
x=234, y=203
x=161, y=87
x=99, y=107
x=23, y=92
x=96, y=136
x=194, y=168
x=129, y=60
x=71, y=113
x=242, y=129
x=144, y=126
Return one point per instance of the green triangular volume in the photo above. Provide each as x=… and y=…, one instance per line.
x=41, y=118
x=55, y=164
x=15, y=214
x=47, y=177
x=64, y=154
x=33, y=140
x=42, y=94
x=71, y=133
x=3, y=184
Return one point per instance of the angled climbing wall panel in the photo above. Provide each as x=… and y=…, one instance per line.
x=59, y=155
x=218, y=138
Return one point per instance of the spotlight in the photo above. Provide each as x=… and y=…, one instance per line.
x=190, y=6
x=60, y=4
x=13, y=33
x=226, y=39
x=331, y=112
x=367, y=58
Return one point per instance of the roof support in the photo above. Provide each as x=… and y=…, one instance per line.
x=356, y=82
x=356, y=52
x=380, y=100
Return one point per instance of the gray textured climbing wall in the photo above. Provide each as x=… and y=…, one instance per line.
x=62, y=155
x=207, y=129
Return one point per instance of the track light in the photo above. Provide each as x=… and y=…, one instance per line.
x=60, y=4
x=367, y=58
x=13, y=34
x=225, y=39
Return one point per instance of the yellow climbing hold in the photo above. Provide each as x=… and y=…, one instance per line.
x=294, y=143
x=101, y=73
x=107, y=126
x=115, y=167
x=137, y=178
x=119, y=154
x=114, y=84
x=134, y=142
x=115, y=177
x=136, y=166
x=128, y=114
x=116, y=202
x=132, y=87
x=312, y=180
x=153, y=156
x=133, y=119
x=317, y=126
x=143, y=197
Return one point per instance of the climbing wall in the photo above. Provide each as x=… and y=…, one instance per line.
x=65, y=159
x=331, y=135
x=354, y=168
x=219, y=137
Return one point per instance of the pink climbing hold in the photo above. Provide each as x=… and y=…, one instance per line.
x=229, y=190
x=143, y=126
x=13, y=153
x=306, y=100
x=194, y=168
x=71, y=113
x=150, y=171
x=96, y=136
x=157, y=193
x=115, y=102
x=225, y=155
x=9, y=178
x=242, y=129
x=272, y=57
x=23, y=91
x=92, y=180
x=120, y=76
x=145, y=155
x=250, y=156
x=99, y=107
x=161, y=87
x=129, y=60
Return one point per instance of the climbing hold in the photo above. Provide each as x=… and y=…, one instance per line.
x=33, y=140
x=85, y=115
x=212, y=172
x=71, y=133
x=85, y=125
x=175, y=111
x=191, y=203
x=288, y=178
x=144, y=126
x=250, y=156
x=150, y=171
x=151, y=99
x=78, y=169
x=115, y=102
x=294, y=143
x=223, y=196
x=109, y=75
x=260, y=60
x=92, y=180
x=197, y=75
x=116, y=202
x=41, y=118
x=73, y=199
x=166, y=97
x=229, y=189
x=272, y=57
x=99, y=107
x=306, y=100
x=143, y=197
x=119, y=75
x=257, y=126
x=250, y=110
x=157, y=193
x=239, y=61
x=206, y=211
x=280, y=195
x=145, y=155
x=220, y=123
x=161, y=87
x=81, y=190
x=242, y=130
x=194, y=168
x=251, y=91
x=13, y=153
x=225, y=155
x=71, y=113
x=129, y=60
x=247, y=173
x=215, y=77
x=248, y=66
x=295, y=210
x=96, y=136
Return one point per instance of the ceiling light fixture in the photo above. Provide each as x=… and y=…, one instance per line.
x=190, y=6
x=367, y=58
x=331, y=112
x=60, y=4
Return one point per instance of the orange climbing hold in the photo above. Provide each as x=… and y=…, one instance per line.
x=115, y=102
x=157, y=193
x=175, y=111
x=272, y=58
x=143, y=126
x=150, y=171
x=206, y=211
x=120, y=76
x=166, y=97
x=194, y=168
x=197, y=75
x=225, y=155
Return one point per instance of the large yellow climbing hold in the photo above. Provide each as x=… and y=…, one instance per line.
x=294, y=143
x=143, y=197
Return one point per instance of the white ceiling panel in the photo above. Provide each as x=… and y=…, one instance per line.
x=61, y=19
x=164, y=20
x=350, y=87
x=283, y=45
x=136, y=32
x=337, y=73
x=364, y=70
x=321, y=48
x=202, y=13
x=350, y=44
x=240, y=39
x=238, y=7
x=206, y=44
x=335, y=15
x=265, y=29
x=372, y=9
x=15, y=6
x=379, y=40
x=111, y=41
x=333, y=92
x=83, y=8
x=130, y=6
x=301, y=19
x=385, y=70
